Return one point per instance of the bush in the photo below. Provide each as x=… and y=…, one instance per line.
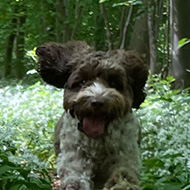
x=165, y=146
x=27, y=117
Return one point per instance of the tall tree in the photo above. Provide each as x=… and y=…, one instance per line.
x=140, y=36
x=180, y=29
x=20, y=41
x=106, y=20
x=9, y=49
x=125, y=27
x=146, y=32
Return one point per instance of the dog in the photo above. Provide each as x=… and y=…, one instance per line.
x=97, y=138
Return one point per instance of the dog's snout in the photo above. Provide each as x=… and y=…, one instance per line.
x=97, y=102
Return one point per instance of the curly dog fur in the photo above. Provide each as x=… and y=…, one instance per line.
x=97, y=138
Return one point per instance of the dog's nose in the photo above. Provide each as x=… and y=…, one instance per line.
x=40, y=51
x=97, y=102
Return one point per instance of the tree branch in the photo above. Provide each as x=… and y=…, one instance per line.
x=108, y=32
x=125, y=27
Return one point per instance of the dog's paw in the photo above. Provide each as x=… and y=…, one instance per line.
x=81, y=186
x=121, y=180
x=70, y=187
x=75, y=183
x=123, y=186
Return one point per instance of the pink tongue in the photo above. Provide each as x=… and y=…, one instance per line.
x=93, y=127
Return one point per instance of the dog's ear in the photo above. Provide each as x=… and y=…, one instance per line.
x=54, y=58
x=137, y=70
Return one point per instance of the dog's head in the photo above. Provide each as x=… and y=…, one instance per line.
x=99, y=86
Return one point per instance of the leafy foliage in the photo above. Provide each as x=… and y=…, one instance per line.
x=28, y=115
x=166, y=145
x=58, y=21
x=183, y=42
x=30, y=112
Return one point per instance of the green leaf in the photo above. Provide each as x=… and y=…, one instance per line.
x=183, y=42
x=187, y=187
x=172, y=186
x=102, y=1
x=18, y=187
x=39, y=183
x=6, y=168
x=127, y=3
x=120, y=4
x=170, y=79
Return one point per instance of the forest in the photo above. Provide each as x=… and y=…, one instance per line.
x=157, y=29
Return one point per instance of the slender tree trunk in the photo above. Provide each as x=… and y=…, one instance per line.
x=166, y=69
x=158, y=16
x=19, y=50
x=98, y=20
x=42, y=19
x=57, y=30
x=78, y=14
x=62, y=27
x=180, y=24
x=121, y=25
x=66, y=14
x=125, y=27
x=152, y=41
x=106, y=21
x=9, y=49
x=140, y=39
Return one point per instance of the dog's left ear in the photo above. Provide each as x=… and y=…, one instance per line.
x=54, y=58
x=137, y=70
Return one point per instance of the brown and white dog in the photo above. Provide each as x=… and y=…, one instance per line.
x=97, y=137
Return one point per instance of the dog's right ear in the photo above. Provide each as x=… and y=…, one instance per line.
x=53, y=61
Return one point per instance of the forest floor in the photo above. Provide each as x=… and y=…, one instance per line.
x=55, y=182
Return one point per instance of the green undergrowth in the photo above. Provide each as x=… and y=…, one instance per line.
x=165, y=118
x=29, y=113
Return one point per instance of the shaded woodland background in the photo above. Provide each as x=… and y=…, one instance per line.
x=152, y=27
x=158, y=29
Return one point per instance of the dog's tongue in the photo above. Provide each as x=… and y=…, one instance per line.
x=93, y=127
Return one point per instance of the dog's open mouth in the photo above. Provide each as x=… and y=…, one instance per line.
x=93, y=127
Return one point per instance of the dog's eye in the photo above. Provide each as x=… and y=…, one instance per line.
x=117, y=84
x=82, y=82
x=77, y=84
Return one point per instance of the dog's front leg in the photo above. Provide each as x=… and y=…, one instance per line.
x=74, y=166
x=121, y=179
x=74, y=171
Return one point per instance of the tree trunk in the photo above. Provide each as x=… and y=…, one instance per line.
x=152, y=39
x=121, y=25
x=9, y=50
x=140, y=39
x=108, y=32
x=19, y=50
x=62, y=26
x=125, y=27
x=98, y=22
x=78, y=14
x=166, y=69
x=43, y=18
x=180, y=24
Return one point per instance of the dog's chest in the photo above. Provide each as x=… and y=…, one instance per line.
x=118, y=140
